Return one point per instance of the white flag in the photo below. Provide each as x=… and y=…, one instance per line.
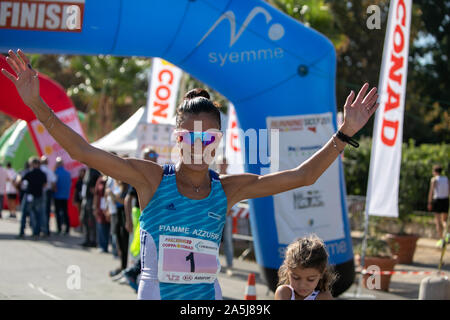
x=162, y=93
x=384, y=173
x=233, y=151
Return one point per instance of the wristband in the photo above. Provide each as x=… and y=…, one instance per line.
x=347, y=139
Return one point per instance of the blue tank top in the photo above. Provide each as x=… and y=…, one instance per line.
x=175, y=224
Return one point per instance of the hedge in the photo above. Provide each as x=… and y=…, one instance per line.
x=415, y=171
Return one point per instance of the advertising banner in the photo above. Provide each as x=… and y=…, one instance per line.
x=157, y=137
x=162, y=93
x=385, y=159
x=311, y=209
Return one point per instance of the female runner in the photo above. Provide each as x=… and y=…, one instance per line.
x=184, y=205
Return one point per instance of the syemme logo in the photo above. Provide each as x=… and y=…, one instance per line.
x=51, y=15
x=274, y=33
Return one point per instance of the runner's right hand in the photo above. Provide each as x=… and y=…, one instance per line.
x=26, y=79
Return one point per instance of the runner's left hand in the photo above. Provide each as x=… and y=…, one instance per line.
x=358, y=111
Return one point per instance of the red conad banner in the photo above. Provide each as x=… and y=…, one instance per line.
x=55, y=96
x=385, y=159
x=162, y=92
x=54, y=15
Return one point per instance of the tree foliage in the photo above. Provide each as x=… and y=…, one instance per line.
x=359, y=55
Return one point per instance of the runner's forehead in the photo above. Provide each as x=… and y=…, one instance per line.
x=199, y=122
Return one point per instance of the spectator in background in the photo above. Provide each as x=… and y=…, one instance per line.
x=2, y=187
x=61, y=195
x=33, y=198
x=111, y=212
x=48, y=194
x=22, y=184
x=87, y=213
x=77, y=197
x=103, y=224
x=222, y=167
x=117, y=195
x=11, y=190
x=438, y=203
x=132, y=214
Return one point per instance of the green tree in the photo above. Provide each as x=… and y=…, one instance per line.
x=415, y=171
x=112, y=87
x=429, y=70
x=359, y=55
x=315, y=14
x=426, y=117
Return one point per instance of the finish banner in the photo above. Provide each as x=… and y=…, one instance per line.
x=385, y=159
x=310, y=209
x=51, y=15
x=162, y=93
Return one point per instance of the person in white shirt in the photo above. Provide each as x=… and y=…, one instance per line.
x=438, y=203
x=11, y=190
x=48, y=194
x=2, y=187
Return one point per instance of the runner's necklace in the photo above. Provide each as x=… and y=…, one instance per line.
x=196, y=189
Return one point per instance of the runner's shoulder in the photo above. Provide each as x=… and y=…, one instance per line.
x=151, y=171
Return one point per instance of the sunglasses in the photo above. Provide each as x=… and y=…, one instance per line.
x=206, y=137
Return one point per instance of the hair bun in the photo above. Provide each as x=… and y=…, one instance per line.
x=197, y=92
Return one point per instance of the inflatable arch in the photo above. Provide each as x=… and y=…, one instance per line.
x=263, y=61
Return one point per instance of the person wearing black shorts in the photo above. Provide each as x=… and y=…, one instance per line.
x=438, y=203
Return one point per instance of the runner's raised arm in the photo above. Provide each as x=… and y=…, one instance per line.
x=357, y=111
x=27, y=85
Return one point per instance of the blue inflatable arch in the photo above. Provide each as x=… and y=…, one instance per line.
x=262, y=60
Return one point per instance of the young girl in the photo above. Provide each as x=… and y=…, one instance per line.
x=305, y=274
x=184, y=205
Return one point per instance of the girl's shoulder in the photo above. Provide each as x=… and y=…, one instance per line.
x=325, y=295
x=283, y=292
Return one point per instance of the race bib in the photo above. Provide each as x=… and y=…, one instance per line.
x=186, y=260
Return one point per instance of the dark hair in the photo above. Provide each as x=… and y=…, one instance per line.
x=308, y=253
x=35, y=160
x=197, y=101
x=437, y=168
